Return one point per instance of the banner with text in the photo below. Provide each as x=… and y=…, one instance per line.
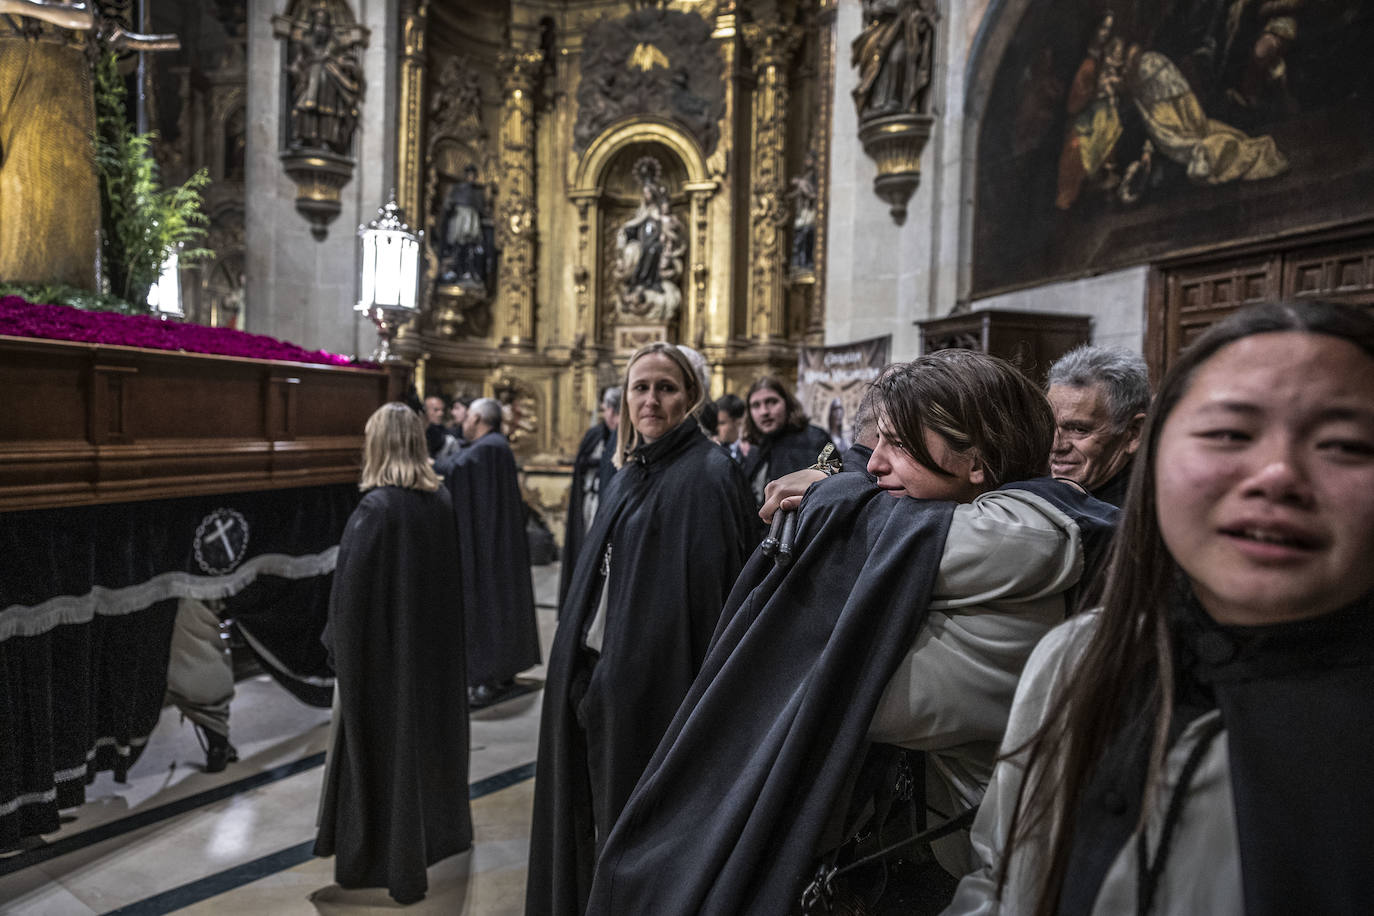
x=832, y=380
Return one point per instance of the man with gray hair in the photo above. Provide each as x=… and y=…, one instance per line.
x=494, y=557
x=1099, y=396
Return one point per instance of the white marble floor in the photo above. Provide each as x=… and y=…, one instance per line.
x=175, y=839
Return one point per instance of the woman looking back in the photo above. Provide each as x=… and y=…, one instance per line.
x=672, y=531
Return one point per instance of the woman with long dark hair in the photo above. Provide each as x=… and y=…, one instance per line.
x=673, y=529
x=1201, y=743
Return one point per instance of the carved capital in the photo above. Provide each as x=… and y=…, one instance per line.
x=415, y=30
x=771, y=43
x=520, y=72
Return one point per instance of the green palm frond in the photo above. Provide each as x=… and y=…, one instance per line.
x=141, y=222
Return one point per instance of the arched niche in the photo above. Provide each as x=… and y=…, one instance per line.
x=604, y=191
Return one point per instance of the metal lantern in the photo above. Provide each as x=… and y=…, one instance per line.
x=390, y=275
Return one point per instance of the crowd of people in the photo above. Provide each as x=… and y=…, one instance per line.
x=1033, y=650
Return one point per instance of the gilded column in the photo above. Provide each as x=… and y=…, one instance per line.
x=409, y=160
x=825, y=129
x=517, y=211
x=771, y=45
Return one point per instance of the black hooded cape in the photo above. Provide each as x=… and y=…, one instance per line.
x=494, y=560
x=730, y=815
x=574, y=532
x=727, y=815
x=784, y=452
x=1297, y=704
x=681, y=524
x=396, y=788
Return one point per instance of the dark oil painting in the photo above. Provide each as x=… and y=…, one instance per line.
x=1121, y=132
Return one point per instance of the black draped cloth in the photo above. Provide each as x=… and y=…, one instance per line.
x=494, y=560
x=596, y=444
x=782, y=453
x=728, y=815
x=87, y=599
x=1113, y=491
x=745, y=788
x=680, y=524
x=1297, y=705
x=396, y=788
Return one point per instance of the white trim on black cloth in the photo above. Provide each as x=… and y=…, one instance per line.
x=17, y=620
x=87, y=599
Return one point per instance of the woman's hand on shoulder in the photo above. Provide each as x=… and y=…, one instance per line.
x=787, y=491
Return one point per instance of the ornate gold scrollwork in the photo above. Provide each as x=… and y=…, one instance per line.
x=771, y=45
x=518, y=211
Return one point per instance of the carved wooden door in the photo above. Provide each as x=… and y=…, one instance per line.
x=1189, y=295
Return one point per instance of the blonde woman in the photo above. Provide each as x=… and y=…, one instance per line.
x=396, y=793
x=672, y=531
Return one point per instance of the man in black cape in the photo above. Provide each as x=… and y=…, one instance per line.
x=396, y=787
x=494, y=556
x=681, y=524
x=589, y=479
x=782, y=438
x=739, y=800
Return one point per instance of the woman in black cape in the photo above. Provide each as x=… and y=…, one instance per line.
x=396, y=787
x=673, y=530
x=1201, y=743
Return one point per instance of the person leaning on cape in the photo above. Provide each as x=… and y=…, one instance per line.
x=494, y=555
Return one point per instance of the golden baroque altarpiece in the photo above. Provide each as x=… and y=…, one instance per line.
x=595, y=175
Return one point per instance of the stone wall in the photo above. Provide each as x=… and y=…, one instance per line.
x=881, y=277
x=297, y=288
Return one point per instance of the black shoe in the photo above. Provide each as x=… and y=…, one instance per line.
x=481, y=696
x=219, y=753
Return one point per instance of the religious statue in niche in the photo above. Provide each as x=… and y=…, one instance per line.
x=894, y=54
x=326, y=81
x=803, y=194
x=649, y=251
x=466, y=240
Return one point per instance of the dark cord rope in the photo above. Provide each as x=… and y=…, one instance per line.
x=1147, y=880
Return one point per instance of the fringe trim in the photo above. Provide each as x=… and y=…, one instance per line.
x=19, y=620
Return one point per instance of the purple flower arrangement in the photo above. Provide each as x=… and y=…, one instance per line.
x=19, y=318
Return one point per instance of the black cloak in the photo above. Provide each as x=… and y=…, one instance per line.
x=1297, y=707
x=574, y=532
x=396, y=788
x=730, y=815
x=681, y=524
x=1113, y=490
x=784, y=452
x=494, y=560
